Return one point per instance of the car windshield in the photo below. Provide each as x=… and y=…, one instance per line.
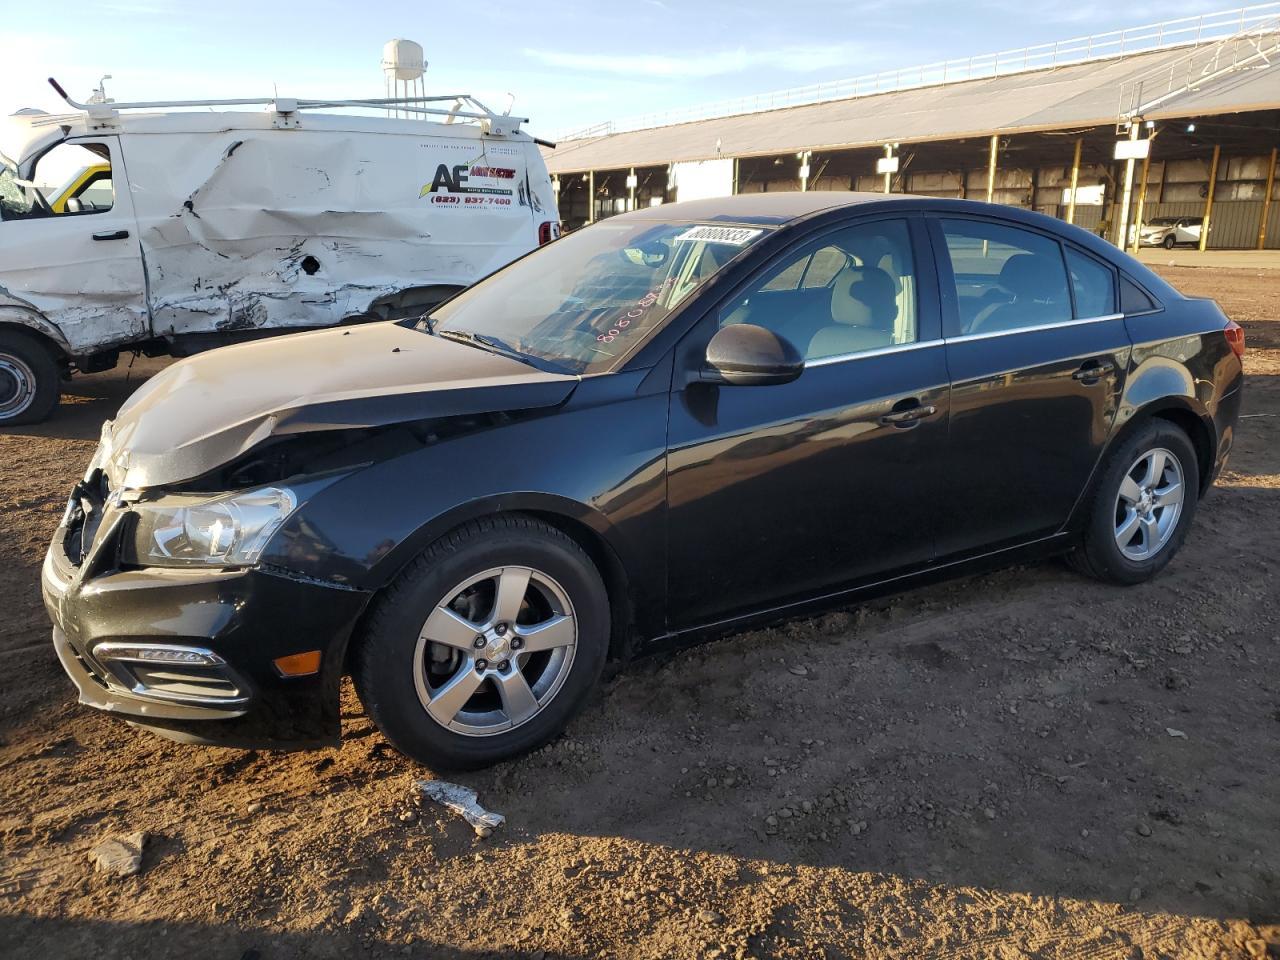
x=579, y=304
x=1162, y=221
x=15, y=201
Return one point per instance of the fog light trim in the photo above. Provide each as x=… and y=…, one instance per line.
x=145, y=670
x=157, y=653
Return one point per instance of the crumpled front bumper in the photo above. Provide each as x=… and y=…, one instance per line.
x=243, y=619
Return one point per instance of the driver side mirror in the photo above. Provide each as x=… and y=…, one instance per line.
x=74, y=205
x=743, y=354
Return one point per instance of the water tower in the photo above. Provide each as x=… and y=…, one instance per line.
x=403, y=70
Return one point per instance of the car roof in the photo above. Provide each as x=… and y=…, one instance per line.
x=762, y=208
x=786, y=208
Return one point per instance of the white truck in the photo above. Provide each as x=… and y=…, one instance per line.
x=185, y=226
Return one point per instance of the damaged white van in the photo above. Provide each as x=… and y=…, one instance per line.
x=177, y=230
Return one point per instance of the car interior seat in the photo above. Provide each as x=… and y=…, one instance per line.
x=864, y=310
x=1031, y=283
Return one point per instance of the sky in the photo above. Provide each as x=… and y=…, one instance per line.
x=568, y=64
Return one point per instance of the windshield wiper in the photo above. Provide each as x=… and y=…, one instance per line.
x=493, y=345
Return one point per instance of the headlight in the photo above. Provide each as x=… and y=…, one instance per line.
x=226, y=531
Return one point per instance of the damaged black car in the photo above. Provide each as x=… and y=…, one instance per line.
x=671, y=424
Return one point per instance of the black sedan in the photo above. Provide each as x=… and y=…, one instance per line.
x=670, y=424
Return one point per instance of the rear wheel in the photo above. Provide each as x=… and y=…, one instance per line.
x=1141, y=508
x=486, y=645
x=29, y=381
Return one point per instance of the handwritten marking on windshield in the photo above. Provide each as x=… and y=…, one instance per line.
x=635, y=313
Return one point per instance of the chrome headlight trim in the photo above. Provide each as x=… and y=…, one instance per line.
x=227, y=530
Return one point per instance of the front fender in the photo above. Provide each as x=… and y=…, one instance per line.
x=385, y=569
x=600, y=467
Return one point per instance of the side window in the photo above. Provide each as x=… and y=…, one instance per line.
x=823, y=267
x=75, y=179
x=1006, y=277
x=789, y=279
x=1133, y=299
x=1093, y=284
x=855, y=292
x=98, y=193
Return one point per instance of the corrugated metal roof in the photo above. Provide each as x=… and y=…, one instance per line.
x=1081, y=95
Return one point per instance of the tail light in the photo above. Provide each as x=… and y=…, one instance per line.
x=547, y=231
x=1235, y=338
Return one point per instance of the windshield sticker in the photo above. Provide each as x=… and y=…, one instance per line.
x=734, y=236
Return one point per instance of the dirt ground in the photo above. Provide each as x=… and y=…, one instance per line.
x=1024, y=764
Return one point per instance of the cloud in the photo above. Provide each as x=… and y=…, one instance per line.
x=794, y=59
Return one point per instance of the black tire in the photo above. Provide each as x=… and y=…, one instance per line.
x=1169, y=242
x=383, y=667
x=29, y=383
x=1099, y=555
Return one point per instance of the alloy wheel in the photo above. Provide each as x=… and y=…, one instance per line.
x=17, y=386
x=495, y=651
x=1149, y=504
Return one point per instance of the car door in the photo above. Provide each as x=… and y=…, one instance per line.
x=1037, y=352
x=81, y=269
x=791, y=490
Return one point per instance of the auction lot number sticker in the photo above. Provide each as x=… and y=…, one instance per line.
x=734, y=236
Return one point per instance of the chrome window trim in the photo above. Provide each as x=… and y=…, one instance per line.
x=877, y=352
x=964, y=338
x=1037, y=328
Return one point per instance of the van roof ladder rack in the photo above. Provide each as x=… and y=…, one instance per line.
x=462, y=106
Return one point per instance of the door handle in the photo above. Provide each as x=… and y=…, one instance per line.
x=908, y=417
x=112, y=235
x=1093, y=371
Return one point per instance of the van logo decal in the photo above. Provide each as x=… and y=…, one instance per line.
x=484, y=184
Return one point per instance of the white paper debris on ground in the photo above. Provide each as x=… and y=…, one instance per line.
x=119, y=855
x=461, y=800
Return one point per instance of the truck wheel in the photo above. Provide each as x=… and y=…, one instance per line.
x=29, y=383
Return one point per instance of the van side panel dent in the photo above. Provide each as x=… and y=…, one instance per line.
x=250, y=229
x=13, y=312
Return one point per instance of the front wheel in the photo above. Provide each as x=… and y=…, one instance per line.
x=1170, y=242
x=29, y=381
x=486, y=645
x=1140, y=510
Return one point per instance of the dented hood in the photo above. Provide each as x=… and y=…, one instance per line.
x=206, y=410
